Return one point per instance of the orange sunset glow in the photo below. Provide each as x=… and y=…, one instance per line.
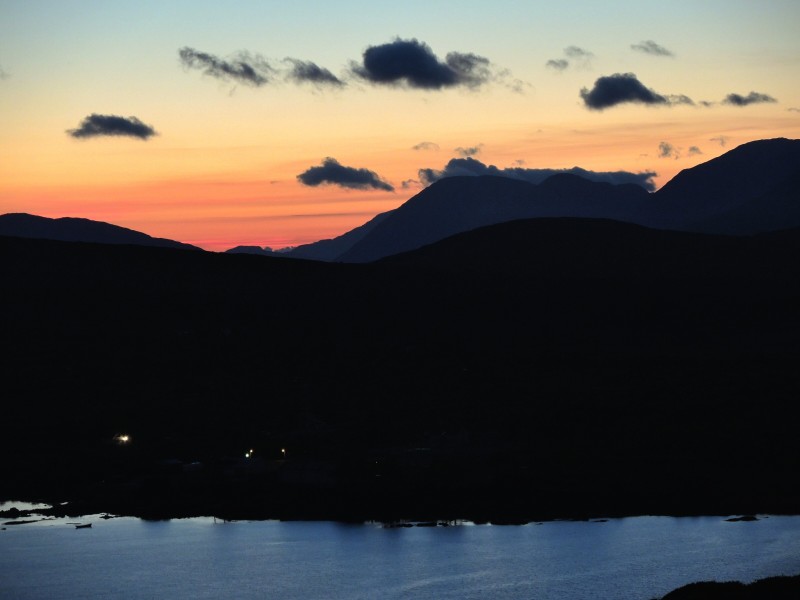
x=221, y=166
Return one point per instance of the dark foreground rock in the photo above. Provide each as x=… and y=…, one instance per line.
x=771, y=588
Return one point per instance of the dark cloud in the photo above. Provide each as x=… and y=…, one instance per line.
x=793, y=109
x=426, y=146
x=472, y=167
x=694, y=151
x=413, y=64
x=650, y=47
x=579, y=53
x=751, y=98
x=558, y=64
x=243, y=68
x=303, y=71
x=721, y=140
x=667, y=150
x=333, y=173
x=112, y=125
x=470, y=151
x=622, y=88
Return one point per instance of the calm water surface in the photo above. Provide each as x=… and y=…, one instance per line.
x=634, y=558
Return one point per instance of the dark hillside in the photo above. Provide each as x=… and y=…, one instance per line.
x=70, y=229
x=553, y=388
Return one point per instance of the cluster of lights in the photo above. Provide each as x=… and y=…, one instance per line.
x=249, y=453
x=122, y=438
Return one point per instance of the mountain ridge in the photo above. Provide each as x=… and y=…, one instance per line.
x=750, y=189
x=73, y=229
x=745, y=191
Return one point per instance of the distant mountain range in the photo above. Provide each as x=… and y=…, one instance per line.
x=68, y=229
x=748, y=190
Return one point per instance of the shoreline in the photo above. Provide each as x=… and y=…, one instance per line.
x=74, y=510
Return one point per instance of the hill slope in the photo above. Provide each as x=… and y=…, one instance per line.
x=428, y=386
x=68, y=229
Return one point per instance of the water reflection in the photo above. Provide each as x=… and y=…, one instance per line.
x=627, y=559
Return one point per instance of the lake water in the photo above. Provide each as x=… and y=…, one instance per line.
x=627, y=559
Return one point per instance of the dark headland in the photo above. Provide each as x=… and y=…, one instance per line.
x=771, y=588
x=532, y=369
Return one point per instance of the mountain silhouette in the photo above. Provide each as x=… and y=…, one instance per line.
x=332, y=249
x=69, y=229
x=748, y=190
x=594, y=249
x=745, y=191
x=251, y=250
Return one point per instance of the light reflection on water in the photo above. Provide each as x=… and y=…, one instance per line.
x=634, y=558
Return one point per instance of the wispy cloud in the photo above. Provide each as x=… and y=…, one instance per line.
x=473, y=167
x=720, y=139
x=112, y=125
x=557, y=64
x=425, y=146
x=751, y=98
x=303, y=71
x=578, y=53
x=650, y=47
x=256, y=71
x=793, y=109
x=411, y=63
x=622, y=88
x=3, y=74
x=469, y=151
x=667, y=150
x=331, y=172
x=243, y=68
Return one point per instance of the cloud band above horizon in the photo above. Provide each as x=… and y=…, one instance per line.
x=472, y=167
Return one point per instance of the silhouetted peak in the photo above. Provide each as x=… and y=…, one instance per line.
x=74, y=229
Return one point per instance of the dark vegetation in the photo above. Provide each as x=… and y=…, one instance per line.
x=771, y=588
x=551, y=368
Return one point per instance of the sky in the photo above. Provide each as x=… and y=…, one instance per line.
x=275, y=124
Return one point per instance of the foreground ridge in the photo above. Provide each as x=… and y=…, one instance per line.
x=770, y=588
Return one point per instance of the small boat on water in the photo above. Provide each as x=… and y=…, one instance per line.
x=83, y=525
